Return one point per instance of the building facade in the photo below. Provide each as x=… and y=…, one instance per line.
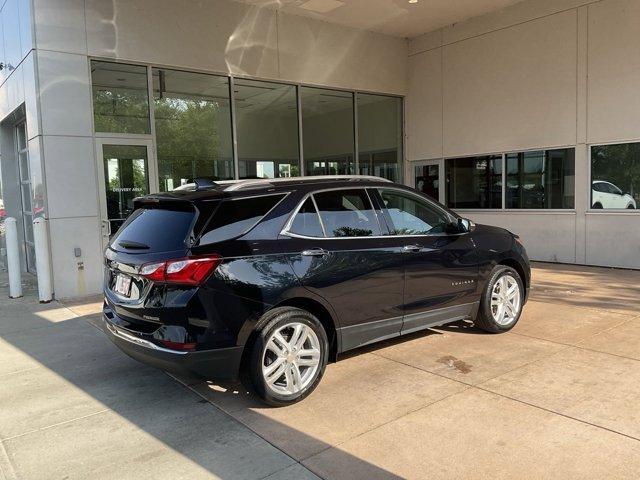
x=526, y=117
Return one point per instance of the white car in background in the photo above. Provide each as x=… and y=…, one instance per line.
x=606, y=195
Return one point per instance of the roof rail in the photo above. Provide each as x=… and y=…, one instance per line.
x=266, y=182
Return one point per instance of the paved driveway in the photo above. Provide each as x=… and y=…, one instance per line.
x=556, y=397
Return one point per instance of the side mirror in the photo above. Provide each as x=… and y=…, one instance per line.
x=464, y=225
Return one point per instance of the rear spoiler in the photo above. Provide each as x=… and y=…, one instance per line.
x=199, y=184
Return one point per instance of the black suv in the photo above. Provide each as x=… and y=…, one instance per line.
x=271, y=279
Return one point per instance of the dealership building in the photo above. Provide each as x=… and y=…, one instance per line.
x=522, y=114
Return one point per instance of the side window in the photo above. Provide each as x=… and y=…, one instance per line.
x=409, y=215
x=599, y=187
x=307, y=222
x=236, y=217
x=347, y=213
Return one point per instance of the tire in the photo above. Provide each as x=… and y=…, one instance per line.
x=597, y=206
x=631, y=207
x=489, y=317
x=273, y=376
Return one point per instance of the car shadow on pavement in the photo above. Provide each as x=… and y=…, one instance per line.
x=72, y=404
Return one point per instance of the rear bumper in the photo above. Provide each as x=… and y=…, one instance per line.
x=222, y=363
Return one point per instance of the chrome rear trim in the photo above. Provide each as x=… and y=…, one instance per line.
x=124, y=335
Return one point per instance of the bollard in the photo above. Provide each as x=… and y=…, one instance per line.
x=13, y=258
x=41, y=241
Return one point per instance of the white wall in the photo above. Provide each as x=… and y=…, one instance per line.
x=539, y=74
x=230, y=37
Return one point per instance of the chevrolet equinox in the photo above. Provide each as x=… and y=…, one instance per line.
x=268, y=280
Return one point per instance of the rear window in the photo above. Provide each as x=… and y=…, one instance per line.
x=154, y=230
x=236, y=217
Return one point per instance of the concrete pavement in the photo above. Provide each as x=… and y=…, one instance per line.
x=72, y=406
x=556, y=397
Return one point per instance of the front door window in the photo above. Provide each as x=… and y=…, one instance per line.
x=407, y=215
x=126, y=177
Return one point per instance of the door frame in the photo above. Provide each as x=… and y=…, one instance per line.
x=422, y=163
x=152, y=172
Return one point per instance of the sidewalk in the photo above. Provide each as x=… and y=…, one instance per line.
x=557, y=397
x=73, y=406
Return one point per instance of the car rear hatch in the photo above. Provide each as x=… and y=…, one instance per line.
x=161, y=229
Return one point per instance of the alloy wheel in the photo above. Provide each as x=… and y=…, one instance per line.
x=291, y=359
x=505, y=300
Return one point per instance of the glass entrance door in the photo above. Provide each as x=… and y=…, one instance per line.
x=427, y=178
x=28, y=209
x=125, y=170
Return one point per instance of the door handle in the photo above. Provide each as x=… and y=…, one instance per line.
x=314, y=252
x=411, y=248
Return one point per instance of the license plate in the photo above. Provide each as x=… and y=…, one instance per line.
x=123, y=285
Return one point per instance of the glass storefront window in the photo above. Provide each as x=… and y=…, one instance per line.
x=380, y=136
x=120, y=97
x=541, y=179
x=615, y=176
x=267, y=129
x=193, y=127
x=474, y=182
x=327, y=131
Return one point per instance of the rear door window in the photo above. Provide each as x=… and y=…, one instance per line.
x=307, y=222
x=347, y=213
x=154, y=230
x=235, y=217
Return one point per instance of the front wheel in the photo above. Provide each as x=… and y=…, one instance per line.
x=288, y=357
x=502, y=300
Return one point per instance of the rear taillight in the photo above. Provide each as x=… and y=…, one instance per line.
x=185, y=271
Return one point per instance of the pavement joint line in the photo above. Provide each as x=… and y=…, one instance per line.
x=560, y=301
x=466, y=384
x=581, y=347
x=24, y=370
x=543, y=357
x=479, y=387
x=586, y=422
x=231, y=417
x=48, y=427
x=376, y=427
x=328, y=446
x=7, y=470
x=483, y=381
x=289, y=466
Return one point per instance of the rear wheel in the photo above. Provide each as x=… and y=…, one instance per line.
x=288, y=357
x=502, y=300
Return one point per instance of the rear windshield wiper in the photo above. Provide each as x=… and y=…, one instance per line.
x=133, y=245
